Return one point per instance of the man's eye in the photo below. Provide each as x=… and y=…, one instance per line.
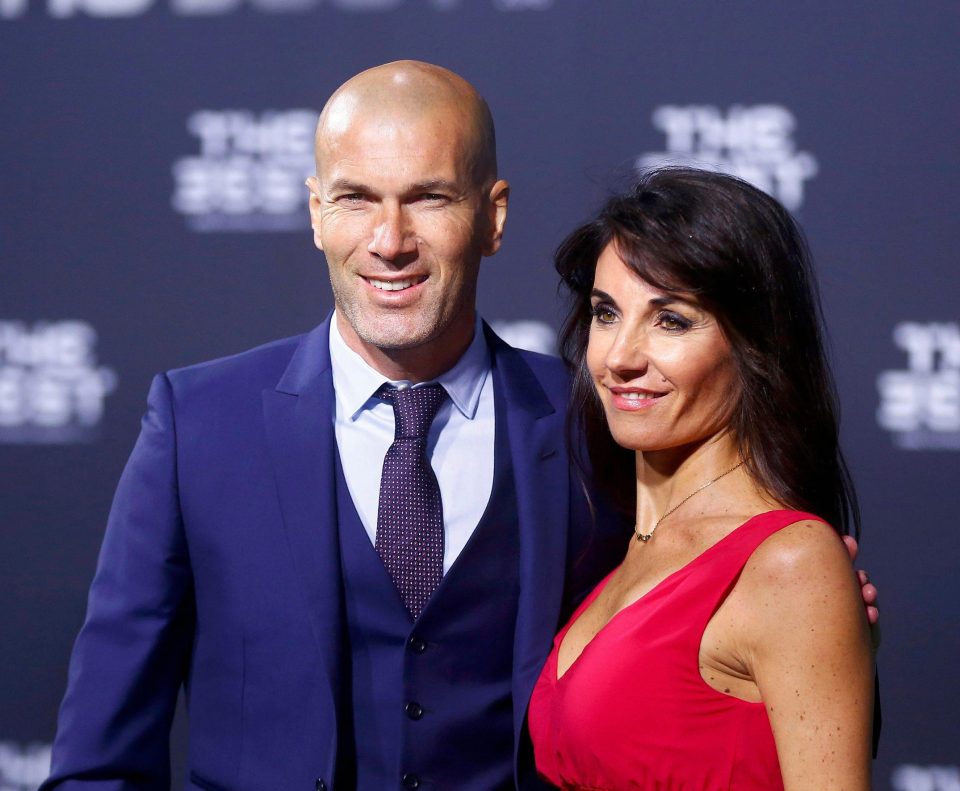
x=351, y=197
x=432, y=197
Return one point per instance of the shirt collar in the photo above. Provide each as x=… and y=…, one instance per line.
x=355, y=381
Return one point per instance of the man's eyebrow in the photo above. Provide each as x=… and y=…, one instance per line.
x=434, y=185
x=346, y=185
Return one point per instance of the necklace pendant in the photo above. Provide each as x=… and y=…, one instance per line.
x=643, y=539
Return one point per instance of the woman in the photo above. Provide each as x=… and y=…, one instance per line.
x=730, y=649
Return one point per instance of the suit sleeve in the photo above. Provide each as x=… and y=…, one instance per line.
x=132, y=653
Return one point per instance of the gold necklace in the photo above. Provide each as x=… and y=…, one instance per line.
x=645, y=537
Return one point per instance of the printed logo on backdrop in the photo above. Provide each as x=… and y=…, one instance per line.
x=23, y=767
x=249, y=172
x=120, y=9
x=754, y=142
x=909, y=777
x=920, y=403
x=52, y=389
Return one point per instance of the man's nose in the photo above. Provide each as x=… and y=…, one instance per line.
x=393, y=238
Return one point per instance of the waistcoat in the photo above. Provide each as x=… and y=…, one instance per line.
x=429, y=704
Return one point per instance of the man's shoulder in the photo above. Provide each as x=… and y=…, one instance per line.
x=546, y=366
x=549, y=371
x=253, y=369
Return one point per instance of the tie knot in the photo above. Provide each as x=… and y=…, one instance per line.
x=414, y=408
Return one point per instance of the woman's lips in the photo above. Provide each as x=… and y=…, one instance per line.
x=633, y=399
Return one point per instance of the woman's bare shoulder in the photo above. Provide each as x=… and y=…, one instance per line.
x=799, y=573
x=802, y=553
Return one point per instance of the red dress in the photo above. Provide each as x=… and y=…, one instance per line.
x=633, y=711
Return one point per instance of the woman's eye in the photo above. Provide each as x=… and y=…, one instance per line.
x=672, y=322
x=603, y=314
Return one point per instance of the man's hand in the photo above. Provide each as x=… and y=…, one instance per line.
x=867, y=590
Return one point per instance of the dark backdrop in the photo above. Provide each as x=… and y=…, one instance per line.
x=152, y=214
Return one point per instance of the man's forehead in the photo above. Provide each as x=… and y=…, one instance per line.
x=394, y=173
x=394, y=126
x=396, y=142
x=338, y=115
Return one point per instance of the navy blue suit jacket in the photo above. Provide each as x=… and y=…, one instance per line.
x=220, y=571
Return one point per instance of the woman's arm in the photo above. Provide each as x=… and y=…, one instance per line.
x=807, y=644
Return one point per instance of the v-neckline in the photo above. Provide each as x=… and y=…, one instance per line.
x=603, y=584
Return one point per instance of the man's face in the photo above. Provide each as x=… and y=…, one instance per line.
x=403, y=223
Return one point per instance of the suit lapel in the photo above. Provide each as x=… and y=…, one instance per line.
x=298, y=416
x=536, y=436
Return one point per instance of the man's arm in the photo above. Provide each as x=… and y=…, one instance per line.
x=132, y=653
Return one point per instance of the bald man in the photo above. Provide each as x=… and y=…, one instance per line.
x=246, y=557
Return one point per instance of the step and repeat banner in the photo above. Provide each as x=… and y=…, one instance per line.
x=153, y=214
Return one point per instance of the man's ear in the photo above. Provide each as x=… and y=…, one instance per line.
x=497, y=200
x=313, y=185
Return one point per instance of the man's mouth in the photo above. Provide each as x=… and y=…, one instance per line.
x=395, y=285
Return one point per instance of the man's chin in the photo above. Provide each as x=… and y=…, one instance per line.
x=395, y=339
x=395, y=332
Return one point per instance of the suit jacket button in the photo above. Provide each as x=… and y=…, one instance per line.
x=417, y=645
x=321, y=786
x=414, y=710
x=411, y=781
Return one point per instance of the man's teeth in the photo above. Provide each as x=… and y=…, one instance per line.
x=393, y=285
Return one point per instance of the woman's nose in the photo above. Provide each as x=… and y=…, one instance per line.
x=628, y=354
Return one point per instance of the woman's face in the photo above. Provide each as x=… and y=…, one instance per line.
x=661, y=364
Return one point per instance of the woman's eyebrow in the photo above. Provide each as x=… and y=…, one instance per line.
x=657, y=302
x=660, y=302
x=602, y=295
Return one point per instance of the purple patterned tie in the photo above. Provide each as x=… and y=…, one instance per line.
x=410, y=516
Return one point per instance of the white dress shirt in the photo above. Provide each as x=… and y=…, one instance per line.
x=460, y=444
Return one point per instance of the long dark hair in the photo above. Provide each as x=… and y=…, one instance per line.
x=738, y=251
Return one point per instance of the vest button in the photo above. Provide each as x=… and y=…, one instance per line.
x=410, y=781
x=414, y=710
x=416, y=645
x=321, y=786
